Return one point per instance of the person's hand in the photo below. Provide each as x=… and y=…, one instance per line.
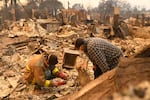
x=66, y=77
x=81, y=64
x=63, y=75
x=57, y=83
x=94, y=68
x=84, y=66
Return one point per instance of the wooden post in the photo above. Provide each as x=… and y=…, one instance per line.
x=116, y=21
x=148, y=20
x=116, y=16
x=143, y=20
x=13, y=14
x=33, y=13
x=5, y=10
x=46, y=11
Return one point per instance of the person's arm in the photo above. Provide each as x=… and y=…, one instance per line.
x=98, y=58
x=59, y=73
x=40, y=79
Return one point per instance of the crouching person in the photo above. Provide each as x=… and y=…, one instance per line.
x=104, y=55
x=41, y=69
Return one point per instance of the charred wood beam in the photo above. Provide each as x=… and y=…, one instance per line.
x=22, y=43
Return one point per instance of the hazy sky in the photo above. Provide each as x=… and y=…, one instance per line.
x=94, y=3
x=91, y=3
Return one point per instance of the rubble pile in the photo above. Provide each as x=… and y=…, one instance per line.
x=131, y=46
x=29, y=28
x=24, y=38
x=139, y=92
x=140, y=32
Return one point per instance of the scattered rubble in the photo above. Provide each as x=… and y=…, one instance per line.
x=139, y=92
x=24, y=38
x=131, y=46
x=29, y=28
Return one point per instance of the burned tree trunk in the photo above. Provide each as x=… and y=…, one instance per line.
x=120, y=28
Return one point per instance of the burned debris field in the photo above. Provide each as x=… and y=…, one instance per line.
x=48, y=26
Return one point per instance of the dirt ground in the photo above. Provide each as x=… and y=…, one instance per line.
x=17, y=46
